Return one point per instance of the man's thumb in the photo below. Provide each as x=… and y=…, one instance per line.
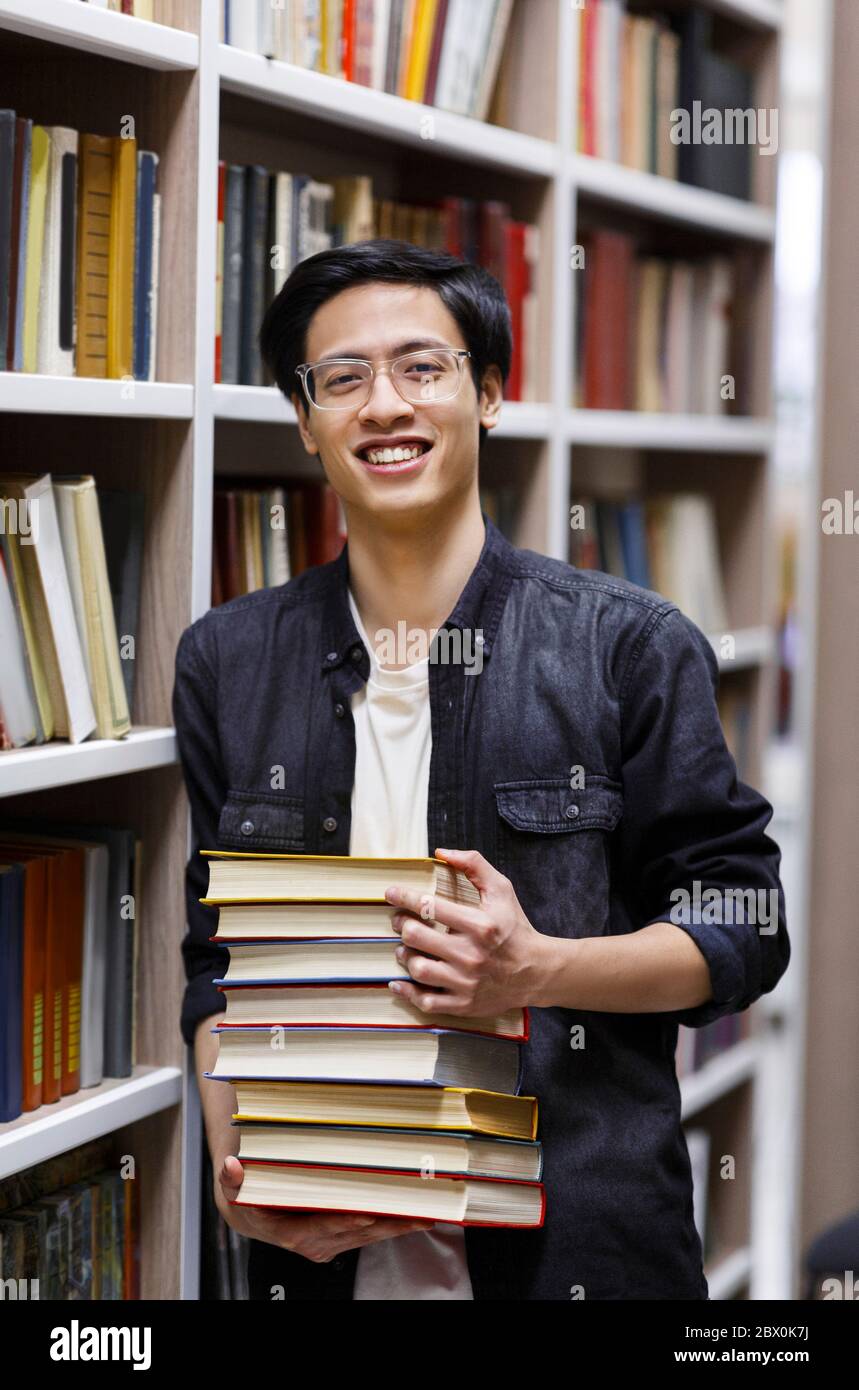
x=232, y=1175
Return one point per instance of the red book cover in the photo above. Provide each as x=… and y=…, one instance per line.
x=515, y=284
x=435, y=52
x=344, y=1167
x=452, y=212
x=219, y=307
x=607, y=311
x=587, y=39
x=348, y=40
x=461, y=1024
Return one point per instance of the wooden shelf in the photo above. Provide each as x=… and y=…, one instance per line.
x=58, y=764
x=106, y=32
x=89, y=1113
x=31, y=392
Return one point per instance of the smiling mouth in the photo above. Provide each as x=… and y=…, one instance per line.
x=396, y=457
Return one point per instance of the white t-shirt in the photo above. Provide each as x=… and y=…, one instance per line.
x=393, y=741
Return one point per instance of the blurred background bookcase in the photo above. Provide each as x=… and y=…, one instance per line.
x=196, y=101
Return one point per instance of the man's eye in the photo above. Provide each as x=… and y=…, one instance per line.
x=422, y=368
x=341, y=379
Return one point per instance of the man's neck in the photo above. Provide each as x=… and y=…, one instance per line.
x=412, y=575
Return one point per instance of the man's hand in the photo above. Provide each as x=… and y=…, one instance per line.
x=317, y=1235
x=488, y=961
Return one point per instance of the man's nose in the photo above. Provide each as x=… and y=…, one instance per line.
x=385, y=401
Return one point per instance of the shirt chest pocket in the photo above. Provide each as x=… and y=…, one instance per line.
x=258, y=821
x=552, y=842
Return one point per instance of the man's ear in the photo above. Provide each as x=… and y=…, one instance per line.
x=304, y=425
x=491, y=397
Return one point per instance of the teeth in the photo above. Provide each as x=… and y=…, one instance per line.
x=397, y=455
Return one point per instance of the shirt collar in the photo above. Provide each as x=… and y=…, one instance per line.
x=478, y=608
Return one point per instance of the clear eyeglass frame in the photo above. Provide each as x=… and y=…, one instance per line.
x=459, y=354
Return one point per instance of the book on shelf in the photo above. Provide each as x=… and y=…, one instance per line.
x=69, y=904
x=270, y=221
x=424, y=1110
x=666, y=542
x=443, y=53
x=638, y=73
x=264, y=536
x=61, y=589
x=79, y=251
x=654, y=333
x=72, y=1223
x=140, y=9
x=697, y=1046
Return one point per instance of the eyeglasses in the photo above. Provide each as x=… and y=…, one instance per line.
x=346, y=383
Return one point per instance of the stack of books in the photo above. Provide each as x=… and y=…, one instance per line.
x=349, y=1097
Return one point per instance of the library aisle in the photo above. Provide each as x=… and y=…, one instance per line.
x=664, y=191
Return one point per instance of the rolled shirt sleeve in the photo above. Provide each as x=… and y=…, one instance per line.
x=194, y=694
x=693, y=846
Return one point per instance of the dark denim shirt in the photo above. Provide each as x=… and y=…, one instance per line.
x=579, y=670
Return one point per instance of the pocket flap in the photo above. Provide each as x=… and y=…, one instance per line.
x=253, y=820
x=552, y=806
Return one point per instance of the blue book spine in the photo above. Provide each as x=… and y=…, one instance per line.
x=11, y=991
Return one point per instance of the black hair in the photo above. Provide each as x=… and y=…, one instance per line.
x=472, y=295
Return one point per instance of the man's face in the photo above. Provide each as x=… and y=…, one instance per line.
x=379, y=322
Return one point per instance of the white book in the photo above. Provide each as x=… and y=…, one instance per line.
x=381, y=24
x=608, y=80
x=453, y=61
x=278, y=538
x=16, y=701
x=489, y=70
x=65, y=666
x=144, y=9
x=283, y=226
x=679, y=338
x=244, y=25
x=53, y=359
x=265, y=28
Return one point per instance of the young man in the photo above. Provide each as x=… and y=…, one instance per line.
x=570, y=761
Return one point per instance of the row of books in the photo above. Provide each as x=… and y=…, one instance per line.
x=636, y=71
x=399, y=1118
x=70, y=1229
x=667, y=542
x=270, y=221
x=266, y=535
x=653, y=333
x=70, y=563
x=443, y=53
x=140, y=9
x=69, y=907
x=80, y=225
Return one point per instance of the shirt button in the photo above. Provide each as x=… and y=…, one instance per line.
x=247, y=827
x=332, y=656
x=356, y=653
x=572, y=811
x=339, y=710
x=329, y=824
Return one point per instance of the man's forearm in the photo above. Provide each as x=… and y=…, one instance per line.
x=218, y=1098
x=653, y=970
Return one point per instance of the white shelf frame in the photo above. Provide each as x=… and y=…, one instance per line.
x=88, y=1114
x=393, y=120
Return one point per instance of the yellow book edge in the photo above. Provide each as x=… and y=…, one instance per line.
x=377, y=1124
x=417, y=860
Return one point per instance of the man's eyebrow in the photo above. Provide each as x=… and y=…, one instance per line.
x=408, y=345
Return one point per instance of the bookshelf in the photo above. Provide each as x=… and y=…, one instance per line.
x=195, y=101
